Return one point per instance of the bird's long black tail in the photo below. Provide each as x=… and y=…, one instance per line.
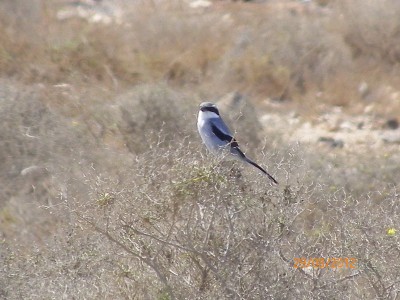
x=261, y=169
x=236, y=151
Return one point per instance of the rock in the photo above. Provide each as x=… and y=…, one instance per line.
x=242, y=117
x=92, y=11
x=363, y=89
x=200, y=4
x=392, y=137
x=34, y=171
x=392, y=124
x=334, y=143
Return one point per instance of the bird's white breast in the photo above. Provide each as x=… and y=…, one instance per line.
x=204, y=115
x=203, y=118
x=204, y=126
x=209, y=114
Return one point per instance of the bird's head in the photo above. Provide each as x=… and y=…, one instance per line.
x=208, y=106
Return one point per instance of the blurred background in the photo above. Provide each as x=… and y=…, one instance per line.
x=98, y=108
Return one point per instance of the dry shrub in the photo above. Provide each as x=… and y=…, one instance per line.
x=169, y=223
x=32, y=134
x=176, y=44
x=371, y=29
x=153, y=44
x=256, y=48
x=51, y=51
x=182, y=226
x=286, y=55
x=370, y=32
x=153, y=114
x=34, y=143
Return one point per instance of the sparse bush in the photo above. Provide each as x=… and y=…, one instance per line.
x=153, y=114
x=371, y=29
x=180, y=227
x=288, y=55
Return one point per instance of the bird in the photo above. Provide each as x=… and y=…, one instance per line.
x=217, y=137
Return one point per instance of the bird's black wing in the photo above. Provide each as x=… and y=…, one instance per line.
x=227, y=138
x=224, y=136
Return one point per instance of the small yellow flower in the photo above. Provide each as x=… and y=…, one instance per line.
x=391, y=231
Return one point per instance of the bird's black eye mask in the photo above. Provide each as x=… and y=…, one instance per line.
x=210, y=108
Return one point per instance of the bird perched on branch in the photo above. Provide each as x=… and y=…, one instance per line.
x=217, y=136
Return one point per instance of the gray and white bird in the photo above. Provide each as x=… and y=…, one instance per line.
x=217, y=136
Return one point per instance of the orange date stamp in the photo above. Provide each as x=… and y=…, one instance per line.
x=321, y=263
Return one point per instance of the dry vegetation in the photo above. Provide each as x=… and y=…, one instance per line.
x=105, y=194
